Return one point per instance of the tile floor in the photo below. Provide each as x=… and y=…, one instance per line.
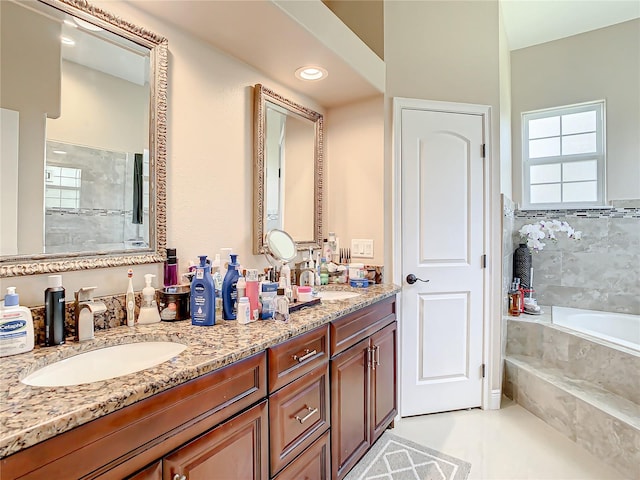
x=510, y=444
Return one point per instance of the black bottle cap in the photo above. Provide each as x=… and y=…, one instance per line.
x=171, y=255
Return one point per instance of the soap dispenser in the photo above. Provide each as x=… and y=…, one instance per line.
x=149, y=310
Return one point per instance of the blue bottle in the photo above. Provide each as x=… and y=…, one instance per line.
x=229, y=290
x=203, y=295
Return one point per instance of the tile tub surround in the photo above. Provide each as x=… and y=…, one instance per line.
x=599, y=272
x=29, y=415
x=581, y=387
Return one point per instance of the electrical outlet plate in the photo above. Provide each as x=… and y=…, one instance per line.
x=361, y=248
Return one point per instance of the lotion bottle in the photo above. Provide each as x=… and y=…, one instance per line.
x=54, y=312
x=253, y=293
x=16, y=326
x=203, y=295
x=229, y=290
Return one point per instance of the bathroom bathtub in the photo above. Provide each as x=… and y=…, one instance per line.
x=619, y=328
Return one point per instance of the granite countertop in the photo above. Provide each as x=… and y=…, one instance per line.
x=29, y=415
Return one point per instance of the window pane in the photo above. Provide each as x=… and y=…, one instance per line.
x=545, y=193
x=580, y=192
x=544, y=127
x=544, y=173
x=576, y=171
x=69, y=194
x=547, y=147
x=579, y=122
x=68, y=182
x=69, y=172
x=68, y=203
x=585, y=143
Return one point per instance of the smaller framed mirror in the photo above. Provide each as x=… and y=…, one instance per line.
x=288, y=170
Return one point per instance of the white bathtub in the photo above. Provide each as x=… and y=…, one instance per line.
x=619, y=328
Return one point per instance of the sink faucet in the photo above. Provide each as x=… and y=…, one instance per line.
x=85, y=309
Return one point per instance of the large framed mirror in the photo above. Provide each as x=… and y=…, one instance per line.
x=83, y=97
x=288, y=170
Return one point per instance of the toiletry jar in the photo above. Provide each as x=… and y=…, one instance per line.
x=174, y=303
x=359, y=283
x=305, y=294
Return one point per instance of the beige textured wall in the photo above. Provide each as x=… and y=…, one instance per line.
x=506, y=186
x=209, y=165
x=449, y=51
x=365, y=18
x=602, y=64
x=355, y=175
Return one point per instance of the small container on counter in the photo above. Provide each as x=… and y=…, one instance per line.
x=305, y=294
x=174, y=303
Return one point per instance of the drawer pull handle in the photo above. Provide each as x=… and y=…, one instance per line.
x=307, y=354
x=311, y=411
x=177, y=476
x=377, y=358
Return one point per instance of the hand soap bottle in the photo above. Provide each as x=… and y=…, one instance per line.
x=229, y=290
x=54, y=312
x=16, y=326
x=149, y=310
x=203, y=295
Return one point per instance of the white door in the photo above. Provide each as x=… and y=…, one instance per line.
x=442, y=242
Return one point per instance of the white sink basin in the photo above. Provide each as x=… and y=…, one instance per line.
x=104, y=363
x=330, y=295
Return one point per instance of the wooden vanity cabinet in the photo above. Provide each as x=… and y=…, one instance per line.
x=135, y=437
x=363, y=382
x=299, y=401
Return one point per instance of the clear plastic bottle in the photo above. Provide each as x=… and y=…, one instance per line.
x=243, y=314
x=324, y=272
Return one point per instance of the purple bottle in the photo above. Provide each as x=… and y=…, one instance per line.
x=171, y=268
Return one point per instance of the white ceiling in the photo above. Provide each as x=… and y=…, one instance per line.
x=530, y=22
x=262, y=35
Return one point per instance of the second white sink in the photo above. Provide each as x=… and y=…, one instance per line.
x=104, y=363
x=331, y=295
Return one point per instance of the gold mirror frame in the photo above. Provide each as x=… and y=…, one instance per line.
x=51, y=263
x=262, y=95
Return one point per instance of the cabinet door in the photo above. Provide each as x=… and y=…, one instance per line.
x=237, y=449
x=383, y=379
x=349, y=408
x=152, y=472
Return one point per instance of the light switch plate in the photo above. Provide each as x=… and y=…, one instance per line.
x=361, y=248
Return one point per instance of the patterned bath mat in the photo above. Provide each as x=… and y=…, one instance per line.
x=395, y=458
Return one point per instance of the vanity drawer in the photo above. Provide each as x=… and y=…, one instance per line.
x=298, y=415
x=298, y=356
x=356, y=326
x=313, y=464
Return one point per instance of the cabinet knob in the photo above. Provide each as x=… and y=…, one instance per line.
x=177, y=476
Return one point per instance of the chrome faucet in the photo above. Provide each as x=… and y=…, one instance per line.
x=85, y=309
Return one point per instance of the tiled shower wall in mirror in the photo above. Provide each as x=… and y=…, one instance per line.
x=601, y=271
x=90, y=199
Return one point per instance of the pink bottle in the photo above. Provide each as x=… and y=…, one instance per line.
x=252, y=292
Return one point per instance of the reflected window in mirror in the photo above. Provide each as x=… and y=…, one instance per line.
x=84, y=139
x=287, y=170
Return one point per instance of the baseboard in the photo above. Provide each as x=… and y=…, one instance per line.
x=494, y=399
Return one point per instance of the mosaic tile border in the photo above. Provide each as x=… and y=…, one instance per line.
x=620, y=212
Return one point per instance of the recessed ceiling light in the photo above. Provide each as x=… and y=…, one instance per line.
x=67, y=41
x=60, y=152
x=311, y=73
x=86, y=25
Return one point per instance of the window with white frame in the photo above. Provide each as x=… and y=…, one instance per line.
x=563, y=158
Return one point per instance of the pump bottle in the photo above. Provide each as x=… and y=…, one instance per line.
x=16, y=326
x=54, y=312
x=149, y=310
x=229, y=290
x=203, y=295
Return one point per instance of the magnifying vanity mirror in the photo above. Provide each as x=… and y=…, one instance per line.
x=280, y=246
x=288, y=170
x=82, y=166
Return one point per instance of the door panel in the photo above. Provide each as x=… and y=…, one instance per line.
x=443, y=242
x=349, y=408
